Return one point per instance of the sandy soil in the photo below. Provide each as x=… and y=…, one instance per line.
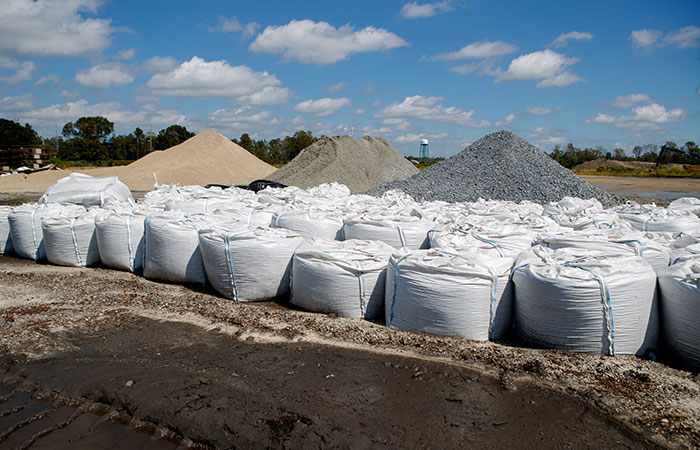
x=649, y=188
x=263, y=375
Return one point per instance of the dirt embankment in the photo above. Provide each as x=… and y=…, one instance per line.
x=263, y=375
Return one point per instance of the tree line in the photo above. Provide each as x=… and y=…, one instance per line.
x=91, y=140
x=571, y=156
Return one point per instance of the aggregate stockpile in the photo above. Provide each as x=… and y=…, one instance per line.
x=499, y=166
x=359, y=164
x=207, y=158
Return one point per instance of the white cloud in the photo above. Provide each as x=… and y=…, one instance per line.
x=414, y=10
x=409, y=138
x=268, y=95
x=50, y=78
x=477, y=50
x=159, y=64
x=628, y=101
x=505, y=122
x=359, y=111
x=429, y=108
x=10, y=106
x=645, y=38
x=643, y=117
x=104, y=76
x=70, y=96
x=20, y=71
x=562, y=39
x=46, y=27
x=547, y=65
x=337, y=87
x=322, y=107
x=684, y=37
x=126, y=54
x=206, y=79
x=307, y=41
x=242, y=115
x=233, y=25
x=397, y=123
x=541, y=110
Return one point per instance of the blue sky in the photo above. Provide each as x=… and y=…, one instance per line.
x=610, y=74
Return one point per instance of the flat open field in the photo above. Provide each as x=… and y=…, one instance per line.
x=648, y=188
x=203, y=370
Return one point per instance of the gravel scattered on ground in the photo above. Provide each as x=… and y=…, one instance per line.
x=499, y=166
x=357, y=163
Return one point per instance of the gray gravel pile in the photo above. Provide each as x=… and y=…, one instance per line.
x=357, y=163
x=499, y=166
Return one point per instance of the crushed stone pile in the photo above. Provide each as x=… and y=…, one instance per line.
x=207, y=158
x=499, y=166
x=359, y=164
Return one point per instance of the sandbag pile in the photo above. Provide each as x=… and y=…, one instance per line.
x=570, y=274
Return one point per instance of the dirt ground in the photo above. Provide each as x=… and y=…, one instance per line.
x=646, y=189
x=214, y=373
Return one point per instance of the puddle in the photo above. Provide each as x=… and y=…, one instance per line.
x=30, y=423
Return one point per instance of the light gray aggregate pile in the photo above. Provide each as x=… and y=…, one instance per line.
x=499, y=166
x=357, y=163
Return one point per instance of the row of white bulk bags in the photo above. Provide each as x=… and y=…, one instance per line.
x=81, y=189
x=446, y=294
x=25, y=227
x=310, y=223
x=202, y=205
x=346, y=278
x=662, y=220
x=171, y=248
x=70, y=240
x=586, y=301
x=495, y=239
x=120, y=239
x=248, y=264
x=5, y=236
x=615, y=242
x=399, y=229
x=679, y=287
x=685, y=204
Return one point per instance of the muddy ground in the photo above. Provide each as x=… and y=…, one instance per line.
x=208, y=372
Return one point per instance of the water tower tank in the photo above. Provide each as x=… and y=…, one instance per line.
x=424, y=153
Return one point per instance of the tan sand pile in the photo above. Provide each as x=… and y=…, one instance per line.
x=359, y=164
x=205, y=158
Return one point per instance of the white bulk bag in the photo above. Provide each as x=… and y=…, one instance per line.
x=25, y=227
x=120, y=238
x=660, y=219
x=438, y=292
x=689, y=204
x=71, y=241
x=616, y=242
x=5, y=237
x=346, y=278
x=248, y=265
x=171, y=247
x=679, y=289
x=81, y=189
x=494, y=239
x=310, y=223
x=586, y=301
x=399, y=230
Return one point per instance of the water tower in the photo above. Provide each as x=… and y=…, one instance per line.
x=424, y=153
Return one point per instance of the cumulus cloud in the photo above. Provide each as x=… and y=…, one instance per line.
x=337, y=87
x=206, y=79
x=541, y=110
x=50, y=78
x=104, y=76
x=682, y=38
x=233, y=25
x=322, y=107
x=307, y=41
x=18, y=71
x=409, y=137
x=648, y=116
x=126, y=54
x=563, y=39
x=414, y=10
x=628, y=101
x=242, y=115
x=429, y=108
x=478, y=50
x=159, y=64
x=268, y=95
x=46, y=27
x=505, y=122
x=550, y=67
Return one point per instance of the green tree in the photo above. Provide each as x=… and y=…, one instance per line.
x=637, y=152
x=171, y=136
x=620, y=154
x=89, y=135
x=292, y=145
x=13, y=135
